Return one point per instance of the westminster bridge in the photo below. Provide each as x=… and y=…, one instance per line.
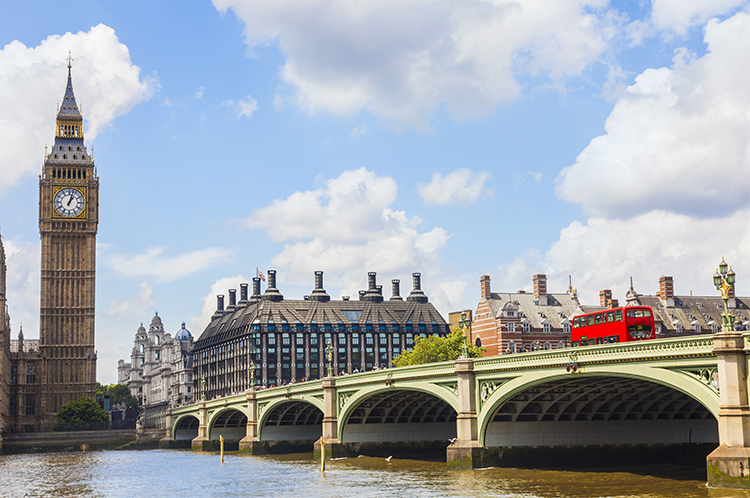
x=659, y=392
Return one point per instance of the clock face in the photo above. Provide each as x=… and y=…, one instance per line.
x=69, y=202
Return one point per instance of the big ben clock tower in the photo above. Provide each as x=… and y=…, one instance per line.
x=68, y=220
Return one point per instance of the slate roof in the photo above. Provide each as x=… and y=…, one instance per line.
x=689, y=311
x=559, y=307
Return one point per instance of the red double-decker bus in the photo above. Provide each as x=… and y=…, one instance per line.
x=632, y=323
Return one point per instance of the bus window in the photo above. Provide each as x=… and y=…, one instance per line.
x=574, y=344
x=584, y=340
x=575, y=323
x=590, y=319
x=618, y=315
x=591, y=342
x=610, y=316
x=638, y=313
x=598, y=318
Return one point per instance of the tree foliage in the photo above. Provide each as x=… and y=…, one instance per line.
x=80, y=412
x=118, y=394
x=432, y=349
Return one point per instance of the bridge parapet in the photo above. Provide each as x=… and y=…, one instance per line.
x=654, y=350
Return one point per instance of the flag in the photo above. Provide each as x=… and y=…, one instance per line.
x=260, y=274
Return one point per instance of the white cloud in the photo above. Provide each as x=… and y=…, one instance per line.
x=679, y=15
x=604, y=254
x=403, y=59
x=33, y=79
x=22, y=286
x=677, y=139
x=165, y=268
x=221, y=286
x=243, y=107
x=536, y=175
x=129, y=308
x=462, y=186
x=199, y=92
x=359, y=131
x=346, y=228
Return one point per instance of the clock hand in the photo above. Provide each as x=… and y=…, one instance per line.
x=71, y=200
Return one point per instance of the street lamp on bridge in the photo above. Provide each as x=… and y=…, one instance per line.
x=724, y=282
x=329, y=352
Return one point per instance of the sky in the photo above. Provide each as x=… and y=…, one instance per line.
x=590, y=140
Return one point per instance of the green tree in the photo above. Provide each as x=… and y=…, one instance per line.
x=432, y=349
x=118, y=394
x=80, y=413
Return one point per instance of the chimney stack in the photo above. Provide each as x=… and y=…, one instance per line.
x=243, y=294
x=220, y=302
x=371, y=280
x=484, y=284
x=605, y=297
x=417, y=295
x=540, y=289
x=318, y=293
x=272, y=293
x=256, y=290
x=232, y=300
x=395, y=290
x=373, y=294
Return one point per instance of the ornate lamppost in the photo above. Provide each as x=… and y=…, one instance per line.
x=464, y=324
x=724, y=282
x=252, y=375
x=329, y=352
x=203, y=389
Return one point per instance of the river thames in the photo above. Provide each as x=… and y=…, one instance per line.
x=156, y=473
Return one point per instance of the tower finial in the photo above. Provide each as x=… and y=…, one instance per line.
x=69, y=59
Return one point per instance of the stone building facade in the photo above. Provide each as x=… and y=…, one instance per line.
x=161, y=366
x=40, y=376
x=264, y=339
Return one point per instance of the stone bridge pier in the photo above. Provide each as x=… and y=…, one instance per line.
x=466, y=452
x=729, y=464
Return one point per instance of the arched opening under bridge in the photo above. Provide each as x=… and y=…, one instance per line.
x=232, y=424
x=291, y=426
x=602, y=411
x=186, y=429
x=410, y=423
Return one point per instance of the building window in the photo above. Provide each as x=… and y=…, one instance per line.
x=697, y=328
x=526, y=327
x=546, y=327
x=13, y=374
x=566, y=327
x=511, y=327
x=30, y=404
x=31, y=373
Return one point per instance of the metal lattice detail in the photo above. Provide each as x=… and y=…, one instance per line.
x=450, y=386
x=708, y=376
x=343, y=398
x=261, y=407
x=487, y=387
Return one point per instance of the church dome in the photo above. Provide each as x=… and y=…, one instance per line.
x=183, y=335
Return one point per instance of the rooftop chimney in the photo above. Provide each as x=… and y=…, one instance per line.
x=362, y=295
x=318, y=293
x=540, y=289
x=256, y=290
x=417, y=295
x=666, y=291
x=395, y=285
x=484, y=285
x=243, y=294
x=232, y=300
x=272, y=293
x=219, y=307
x=372, y=294
x=605, y=296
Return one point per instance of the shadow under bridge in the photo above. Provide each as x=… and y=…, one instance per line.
x=389, y=420
x=599, y=410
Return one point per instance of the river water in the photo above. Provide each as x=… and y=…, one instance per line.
x=172, y=473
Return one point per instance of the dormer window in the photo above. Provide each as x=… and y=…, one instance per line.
x=546, y=327
x=526, y=327
x=510, y=313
